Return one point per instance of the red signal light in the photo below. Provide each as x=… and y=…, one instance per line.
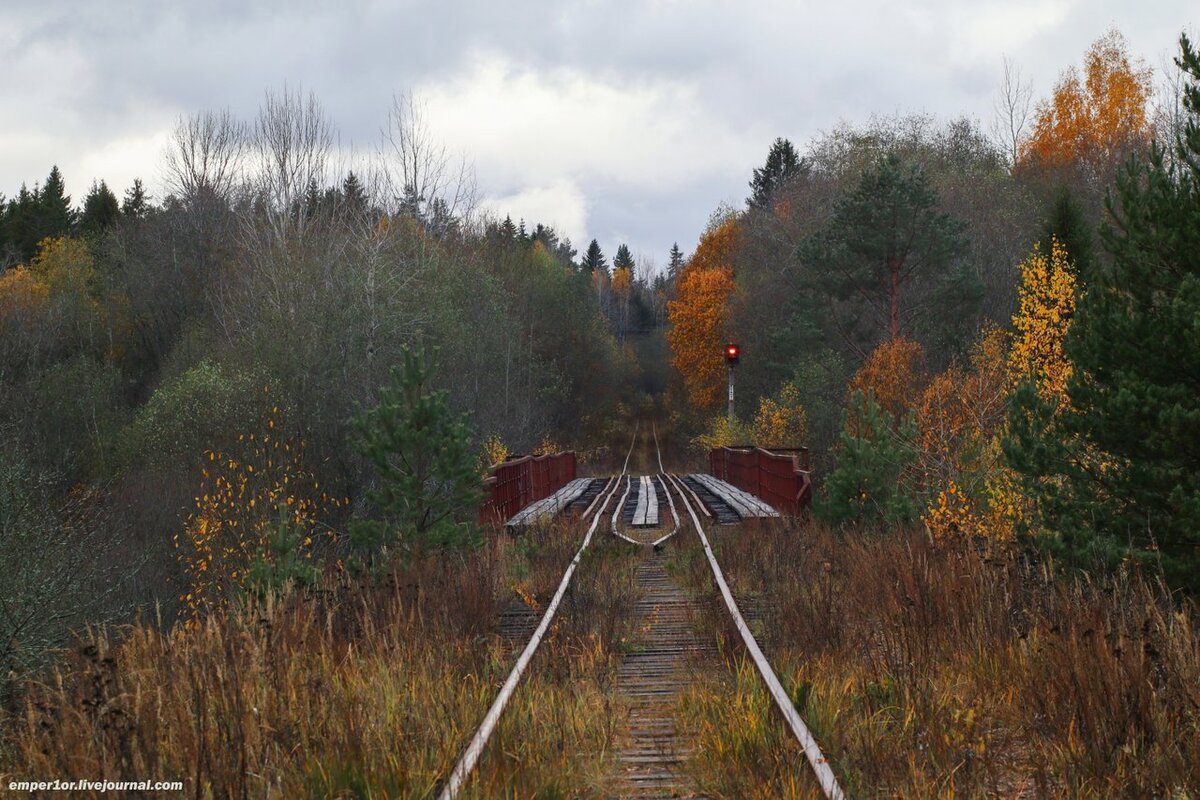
x=732, y=353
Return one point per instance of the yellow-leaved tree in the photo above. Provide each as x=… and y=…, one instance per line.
x=257, y=506
x=1046, y=305
x=958, y=419
x=781, y=420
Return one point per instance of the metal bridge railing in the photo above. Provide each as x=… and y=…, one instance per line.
x=514, y=484
x=780, y=476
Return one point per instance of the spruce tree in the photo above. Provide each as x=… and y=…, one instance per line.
x=136, y=204
x=623, y=259
x=6, y=249
x=57, y=217
x=782, y=165
x=508, y=231
x=1065, y=223
x=593, y=260
x=100, y=209
x=1117, y=466
x=25, y=228
x=354, y=197
x=675, y=262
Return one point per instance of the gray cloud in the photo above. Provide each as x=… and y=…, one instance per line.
x=631, y=119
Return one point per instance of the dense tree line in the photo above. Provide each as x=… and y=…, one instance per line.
x=271, y=284
x=986, y=335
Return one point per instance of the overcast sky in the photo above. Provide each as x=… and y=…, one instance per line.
x=623, y=121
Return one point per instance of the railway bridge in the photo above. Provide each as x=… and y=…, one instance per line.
x=647, y=511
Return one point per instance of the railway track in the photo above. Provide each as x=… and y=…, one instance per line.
x=651, y=756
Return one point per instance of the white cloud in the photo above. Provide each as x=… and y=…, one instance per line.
x=517, y=121
x=122, y=159
x=561, y=205
x=627, y=121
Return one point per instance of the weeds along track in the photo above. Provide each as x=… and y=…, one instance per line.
x=470, y=757
x=812, y=751
x=650, y=756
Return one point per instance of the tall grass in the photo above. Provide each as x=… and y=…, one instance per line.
x=365, y=688
x=966, y=670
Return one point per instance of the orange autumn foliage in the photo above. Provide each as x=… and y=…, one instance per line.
x=697, y=332
x=894, y=370
x=717, y=245
x=700, y=312
x=960, y=411
x=622, y=281
x=23, y=299
x=1092, y=119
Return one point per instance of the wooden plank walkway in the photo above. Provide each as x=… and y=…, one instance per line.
x=650, y=755
x=744, y=503
x=549, y=506
x=645, y=515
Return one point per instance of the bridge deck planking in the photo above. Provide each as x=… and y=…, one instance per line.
x=721, y=511
x=744, y=503
x=549, y=506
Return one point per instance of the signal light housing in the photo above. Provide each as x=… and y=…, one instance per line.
x=733, y=353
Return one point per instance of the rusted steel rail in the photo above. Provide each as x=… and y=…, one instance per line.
x=470, y=757
x=816, y=759
x=780, y=476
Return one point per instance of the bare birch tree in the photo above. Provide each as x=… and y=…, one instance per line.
x=204, y=156
x=418, y=171
x=1012, y=106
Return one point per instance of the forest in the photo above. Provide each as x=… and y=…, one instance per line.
x=987, y=335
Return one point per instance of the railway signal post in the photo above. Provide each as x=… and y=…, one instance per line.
x=733, y=353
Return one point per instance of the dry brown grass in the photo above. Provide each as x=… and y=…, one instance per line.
x=960, y=671
x=366, y=689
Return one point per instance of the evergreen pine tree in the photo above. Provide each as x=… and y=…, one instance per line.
x=566, y=252
x=593, y=260
x=57, y=217
x=354, y=197
x=412, y=203
x=1118, y=464
x=25, y=228
x=623, y=259
x=870, y=479
x=7, y=254
x=1066, y=223
x=893, y=258
x=312, y=198
x=675, y=263
x=508, y=231
x=424, y=462
x=136, y=204
x=782, y=165
x=100, y=209
x=441, y=223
